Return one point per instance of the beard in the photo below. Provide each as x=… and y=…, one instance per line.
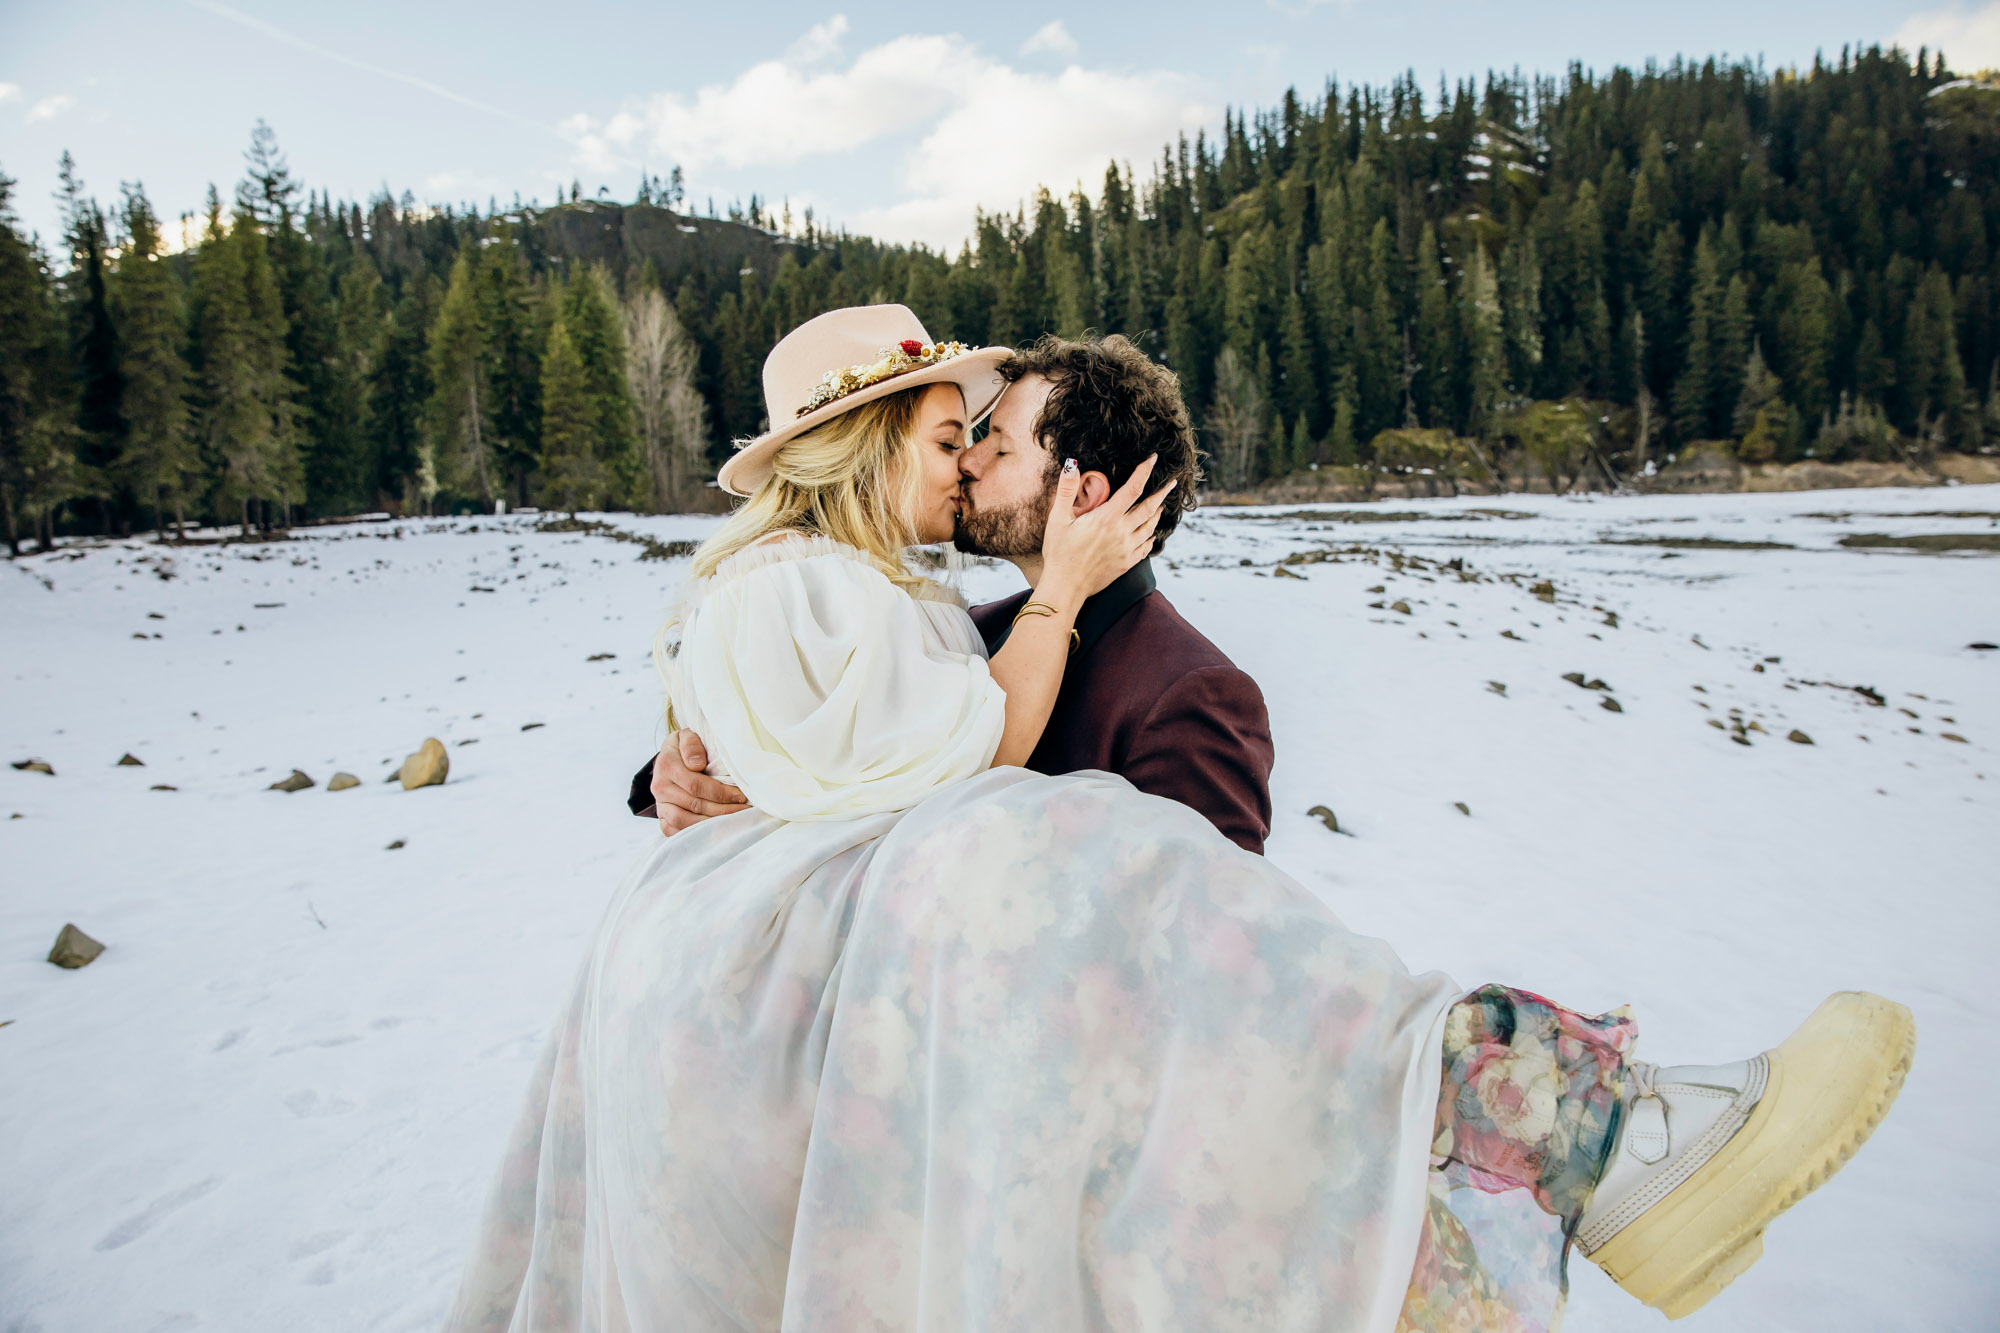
x=1014, y=530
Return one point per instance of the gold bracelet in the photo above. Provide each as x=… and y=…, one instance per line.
x=1034, y=609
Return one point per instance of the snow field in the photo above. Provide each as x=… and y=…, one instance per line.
x=274, y=1102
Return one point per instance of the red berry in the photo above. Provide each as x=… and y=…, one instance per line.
x=911, y=347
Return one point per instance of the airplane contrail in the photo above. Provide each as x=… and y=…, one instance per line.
x=280, y=35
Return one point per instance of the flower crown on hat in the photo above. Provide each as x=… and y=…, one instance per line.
x=904, y=357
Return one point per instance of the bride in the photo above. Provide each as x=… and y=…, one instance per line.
x=924, y=1040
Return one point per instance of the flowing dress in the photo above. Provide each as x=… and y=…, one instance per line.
x=918, y=1043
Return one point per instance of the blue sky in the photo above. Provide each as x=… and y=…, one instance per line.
x=897, y=121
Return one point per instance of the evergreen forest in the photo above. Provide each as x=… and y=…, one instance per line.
x=1527, y=280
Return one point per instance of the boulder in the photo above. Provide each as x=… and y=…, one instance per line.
x=74, y=949
x=427, y=767
x=129, y=760
x=342, y=781
x=1402, y=607
x=34, y=766
x=163, y=786
x=1798, y=737
x=296, y=782
x=1545, y=590
x=1462, y=808
x=1327, y=818
x=1611, y=705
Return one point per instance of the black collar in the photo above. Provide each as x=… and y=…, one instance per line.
x=1102, y=611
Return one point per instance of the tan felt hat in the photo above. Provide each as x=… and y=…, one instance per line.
x=844, y=358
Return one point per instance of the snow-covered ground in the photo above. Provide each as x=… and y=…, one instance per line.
x=274, y=1101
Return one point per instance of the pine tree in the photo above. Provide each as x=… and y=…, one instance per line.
x=573, y=476
x=1660, y=301
x=1485, y=336
x=1764, y=423
x=1521, y=310
x=1694, y=389
x=38, y=469
x=1187, y=349
x=1433, y=334
x=99, y=390
x=245, y=418
x=1342, y=446
x=597, y=333
x=279, y=395
x=347, y=466
x=1931, y=379
x=1298, y=378
x=399, y=393
x=160, y=464
x=460, y=432
x=1730, y=338
x=514, y=327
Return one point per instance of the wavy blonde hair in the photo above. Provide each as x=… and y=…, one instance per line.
x=854, y=479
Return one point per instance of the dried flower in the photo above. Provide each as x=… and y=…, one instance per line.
x=901, y=359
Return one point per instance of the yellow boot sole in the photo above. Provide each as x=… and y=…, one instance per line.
x=1830, y=1084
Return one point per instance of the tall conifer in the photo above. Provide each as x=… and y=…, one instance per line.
x=160, y=464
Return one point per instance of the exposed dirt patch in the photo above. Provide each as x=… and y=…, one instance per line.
x=1378, y=516
x=1697, y=543
x=654, y=548
x=1925, y=541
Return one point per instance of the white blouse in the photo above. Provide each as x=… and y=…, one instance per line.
x=825, y=691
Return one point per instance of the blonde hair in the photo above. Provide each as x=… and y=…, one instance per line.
x=853, y=479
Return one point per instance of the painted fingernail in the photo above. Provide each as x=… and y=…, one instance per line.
x=1069, y=467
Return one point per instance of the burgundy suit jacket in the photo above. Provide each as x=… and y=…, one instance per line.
x=1145, y=696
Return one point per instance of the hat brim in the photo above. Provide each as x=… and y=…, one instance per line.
x=976, y=373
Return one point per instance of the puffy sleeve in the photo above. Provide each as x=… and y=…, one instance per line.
x=822, y=697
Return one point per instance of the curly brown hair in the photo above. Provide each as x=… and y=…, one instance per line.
x=1109, y=406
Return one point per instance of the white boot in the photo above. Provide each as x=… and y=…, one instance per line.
x=1707, y=1155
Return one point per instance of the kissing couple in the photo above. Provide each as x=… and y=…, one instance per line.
x=961, y=997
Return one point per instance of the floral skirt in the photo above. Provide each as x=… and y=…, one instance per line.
x=1526, y=1113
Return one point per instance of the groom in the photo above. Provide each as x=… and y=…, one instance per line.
x=1145, y=696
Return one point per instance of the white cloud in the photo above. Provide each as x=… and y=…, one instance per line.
x=50, y=107
x=9, y=92
x=964, y=131
x=1969, y=38
x=1053, y=38
x=821, y=42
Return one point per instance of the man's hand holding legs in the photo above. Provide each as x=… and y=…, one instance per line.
x=685, y=793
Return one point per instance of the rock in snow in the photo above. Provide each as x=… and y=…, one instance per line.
x=74, y=949
x=427, y=767
x=296, y=782
x=342, y=781
x=34, y=766
x=130, y=760
x=1327, y=817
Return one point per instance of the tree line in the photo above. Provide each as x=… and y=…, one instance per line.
x=1532, y=276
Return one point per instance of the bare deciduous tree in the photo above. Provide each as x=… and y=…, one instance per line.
x=672, y=418
x=1236, y=423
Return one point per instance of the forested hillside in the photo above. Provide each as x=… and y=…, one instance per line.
x=1521, y=278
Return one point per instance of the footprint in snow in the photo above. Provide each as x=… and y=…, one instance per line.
x=137, y=1225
